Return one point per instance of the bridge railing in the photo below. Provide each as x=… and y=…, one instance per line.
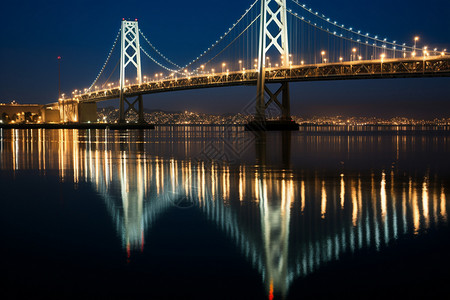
x=369, y=69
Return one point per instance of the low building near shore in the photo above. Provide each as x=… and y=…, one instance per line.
x=20, y=113
x=50, y=114
x=13, y=113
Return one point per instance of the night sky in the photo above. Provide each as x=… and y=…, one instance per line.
x=34, y=33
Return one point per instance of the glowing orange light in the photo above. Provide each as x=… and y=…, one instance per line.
x=271, y=290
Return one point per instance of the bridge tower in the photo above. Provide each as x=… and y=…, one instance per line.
x=273, y=34
x=130, y=53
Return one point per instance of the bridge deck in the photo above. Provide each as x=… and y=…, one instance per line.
x=438, y=66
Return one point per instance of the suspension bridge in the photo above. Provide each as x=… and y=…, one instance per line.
x=273, y=42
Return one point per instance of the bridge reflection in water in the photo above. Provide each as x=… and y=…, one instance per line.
x=287, y=222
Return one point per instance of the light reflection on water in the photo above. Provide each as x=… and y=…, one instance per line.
x=290, y=204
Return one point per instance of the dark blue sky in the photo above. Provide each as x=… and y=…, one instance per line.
x=36, y=32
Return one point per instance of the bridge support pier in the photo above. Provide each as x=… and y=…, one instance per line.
x=285, y=105
x=285, y=123
x=131, y=107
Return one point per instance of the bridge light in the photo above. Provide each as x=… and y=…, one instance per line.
x=415, y=41
x=322, y=55
x=341, y=59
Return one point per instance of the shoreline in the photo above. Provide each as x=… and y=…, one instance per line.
x=306, y=129
x=78, y=126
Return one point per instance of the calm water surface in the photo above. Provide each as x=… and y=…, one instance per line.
x=218, y=213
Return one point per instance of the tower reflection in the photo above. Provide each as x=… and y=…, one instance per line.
x=286, y=222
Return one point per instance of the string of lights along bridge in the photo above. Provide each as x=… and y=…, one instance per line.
x=272, y=42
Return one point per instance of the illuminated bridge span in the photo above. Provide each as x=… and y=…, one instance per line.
x=273, y=42
x=392, y=68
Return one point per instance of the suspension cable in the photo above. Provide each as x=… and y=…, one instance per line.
x=339, y=36
x=335, y=24
x=158, y=63
x=233, y=40
x=107, y=60
x=109, y=77
x=221, y=38
x=157, y=51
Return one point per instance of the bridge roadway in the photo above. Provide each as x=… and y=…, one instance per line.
x=436, y=66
